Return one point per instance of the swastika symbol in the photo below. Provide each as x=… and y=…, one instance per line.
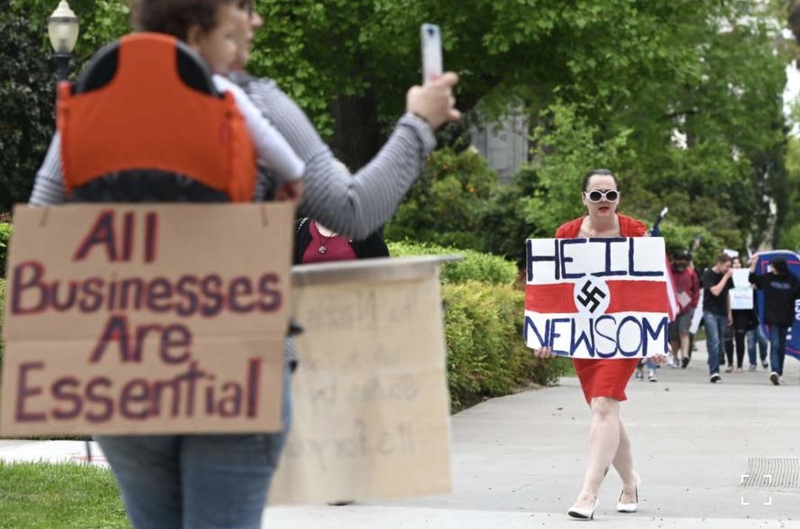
x=591, y=295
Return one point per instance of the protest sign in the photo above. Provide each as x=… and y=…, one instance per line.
x=370, y=401
x=597, y=298
x=762, y=267
x=741, y=293
x=125, y=319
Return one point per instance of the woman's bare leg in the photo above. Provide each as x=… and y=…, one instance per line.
x=604, y=440
x=623, y=463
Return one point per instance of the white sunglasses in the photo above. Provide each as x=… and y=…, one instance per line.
x=611, y=195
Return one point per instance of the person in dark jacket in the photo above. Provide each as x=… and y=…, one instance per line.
x=781, y=289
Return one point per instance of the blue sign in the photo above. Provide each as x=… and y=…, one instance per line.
x=762, y=267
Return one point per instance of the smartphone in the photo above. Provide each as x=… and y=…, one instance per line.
x=431, y=37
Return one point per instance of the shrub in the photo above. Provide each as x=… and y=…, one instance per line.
x=445, y=206
x=476, y=266
x=5, y=237
x=486, y=356
x=27, y=90
x=504, y=226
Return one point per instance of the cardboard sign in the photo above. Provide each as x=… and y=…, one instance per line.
x=370, y=399
x=762, y=267
x=597, y=298
x=146, y=319
x=742, y=293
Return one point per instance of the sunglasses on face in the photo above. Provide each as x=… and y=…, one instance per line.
x=611, y=195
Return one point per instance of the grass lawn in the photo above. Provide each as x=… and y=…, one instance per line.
x=63, y=496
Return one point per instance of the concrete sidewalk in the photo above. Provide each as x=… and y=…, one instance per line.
x=22, y=451
x=518, y=461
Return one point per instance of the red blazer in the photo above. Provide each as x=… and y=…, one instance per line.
x=628, y=227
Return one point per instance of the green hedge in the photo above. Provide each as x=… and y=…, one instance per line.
x=5, y=237
x=486, y=356
x=476, y=266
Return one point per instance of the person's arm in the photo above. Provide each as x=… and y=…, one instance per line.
x=48, y=187
x=271, y=146
x=719, y=288
x=695, y=290
x=354, y=205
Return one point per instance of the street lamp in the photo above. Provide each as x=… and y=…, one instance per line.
x=62, y=28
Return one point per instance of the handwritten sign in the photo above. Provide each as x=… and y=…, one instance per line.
x=742, y=293
x=146, y=319
x=597, y=298
x=371, y=405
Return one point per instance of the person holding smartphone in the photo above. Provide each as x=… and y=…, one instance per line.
x=222, y=481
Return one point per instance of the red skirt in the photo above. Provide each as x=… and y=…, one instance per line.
x=604, y=378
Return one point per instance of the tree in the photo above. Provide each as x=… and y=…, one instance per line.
x=27, y=100
x=27, y=81
x=605, y=82
x=363, y=54
x=789, y=232
x=631, y=72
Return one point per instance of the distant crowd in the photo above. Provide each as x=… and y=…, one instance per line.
x=728, y=312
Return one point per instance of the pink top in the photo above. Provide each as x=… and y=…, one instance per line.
x=337, y=247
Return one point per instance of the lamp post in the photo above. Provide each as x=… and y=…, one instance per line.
x=62, y=28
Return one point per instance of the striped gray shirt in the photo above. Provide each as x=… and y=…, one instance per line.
x=351, y=204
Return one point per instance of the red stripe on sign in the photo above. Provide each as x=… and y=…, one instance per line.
x=638, y=296
x=553, y=298
x=626, y=296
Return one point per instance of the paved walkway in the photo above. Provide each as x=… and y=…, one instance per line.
x=518, y=460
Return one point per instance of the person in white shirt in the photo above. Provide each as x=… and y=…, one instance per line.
x=217, y=45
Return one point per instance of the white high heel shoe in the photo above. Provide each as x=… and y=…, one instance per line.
x=630, y=507
x=584, y=513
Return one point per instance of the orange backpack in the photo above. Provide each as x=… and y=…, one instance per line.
x=144, y=122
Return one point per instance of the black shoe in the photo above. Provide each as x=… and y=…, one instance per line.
x=684, y=362
x=775, y=379
x=764, y=364
x=715, y=378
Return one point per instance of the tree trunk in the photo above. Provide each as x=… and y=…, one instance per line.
x=356, y=133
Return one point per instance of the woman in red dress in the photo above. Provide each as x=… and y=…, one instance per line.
x=604, y=381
